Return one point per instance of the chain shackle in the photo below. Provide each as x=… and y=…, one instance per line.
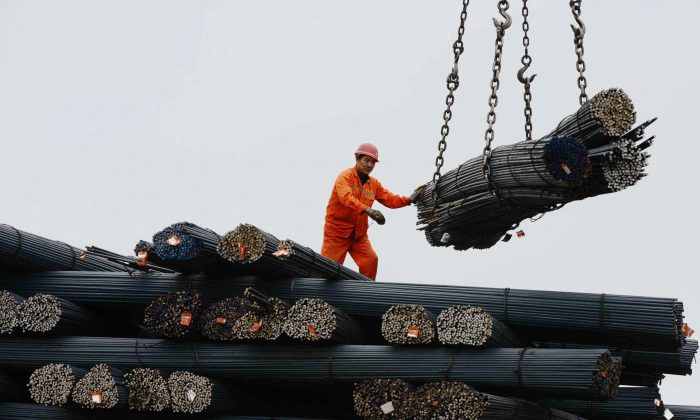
x=493, y=98
x=452, y=85
x=579, y=33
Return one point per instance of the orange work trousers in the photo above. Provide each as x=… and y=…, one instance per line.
x=360, y=250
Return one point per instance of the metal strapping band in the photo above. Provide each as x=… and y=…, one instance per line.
x=15, y=254
x=517, y=409
x=532, y=161
x=505, y=304
x=520, y=366
x=330, y=363
x=510, y=167
x=291, y=289
x=602, y=313
x=459, y=168
x=195, y=355
x=72, y=252
x=313, y=262
x=449, y=365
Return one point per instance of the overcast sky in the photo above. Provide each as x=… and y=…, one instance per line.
x=118, y=118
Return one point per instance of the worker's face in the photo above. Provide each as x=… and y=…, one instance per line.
x=365, y=164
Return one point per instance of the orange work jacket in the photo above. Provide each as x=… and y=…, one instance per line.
x=349, y=198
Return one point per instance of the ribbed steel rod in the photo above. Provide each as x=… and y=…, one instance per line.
x=589, y=317
x=578, y=373
x=630, y=402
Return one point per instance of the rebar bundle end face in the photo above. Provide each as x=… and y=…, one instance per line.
x=97, y=389
x=189, y=393
x=174, y=244
x=408, y=324
x=148, y=390
x=51, y=384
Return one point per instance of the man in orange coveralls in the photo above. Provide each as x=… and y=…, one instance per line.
x=349, y=206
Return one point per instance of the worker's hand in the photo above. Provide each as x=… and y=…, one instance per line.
x=416, y=193
x=376, y=215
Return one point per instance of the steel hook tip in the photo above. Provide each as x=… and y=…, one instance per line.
x=505, y=24
x=521, y=75
x=581, y=30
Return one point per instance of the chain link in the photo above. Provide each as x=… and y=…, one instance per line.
x=452, y=85
x=526, y=60
x=493, y=99
x=579, y=33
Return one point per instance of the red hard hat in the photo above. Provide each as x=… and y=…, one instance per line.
x=369, y=150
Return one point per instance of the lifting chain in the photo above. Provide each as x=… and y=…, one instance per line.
x=579, y=33
x=452, y=85
x=493, y=99
x=526, y=81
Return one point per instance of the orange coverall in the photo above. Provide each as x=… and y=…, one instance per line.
x=346, y=225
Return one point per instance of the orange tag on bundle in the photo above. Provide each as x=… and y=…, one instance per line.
x=186, y=319
x=241, y=251
x=142, y=259
x=413, y=332
x=658, y=402
x=520, y=233
x=687, y=331
x=566, y=168
x=82, y=256
x=604, y=373
x=221, y=320
x=281, y=252
x=256, y=326
x=173, y=240
x=312, y=330
x=96, y=397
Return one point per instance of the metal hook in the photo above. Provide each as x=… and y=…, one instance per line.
x=502, y=7
x=521, y=75
x=581, y=30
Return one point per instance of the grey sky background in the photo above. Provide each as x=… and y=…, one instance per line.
x=118, y=118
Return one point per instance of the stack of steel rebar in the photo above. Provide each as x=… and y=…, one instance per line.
x=101, y=387
x=148, y=390
x=471, y=325
x=174, y=315
x=9, y=311
x=48, y=313
x=408, y=324
x=316, y=320
x=630, y=402
x=192, y=393
x=383, y=399
x=52, y=384
x=591, y=152
x=186, y=247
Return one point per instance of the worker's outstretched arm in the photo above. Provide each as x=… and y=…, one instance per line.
x=391, y=200
x=343, y=187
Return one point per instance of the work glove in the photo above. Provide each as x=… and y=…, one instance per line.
x=416, y=193
x=376, y=215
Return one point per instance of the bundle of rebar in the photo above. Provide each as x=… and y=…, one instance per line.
x=190, y=248
x=487, y=406
x=131, y=262
x=218, y=322
x=192, y=393
x=591, y=152
x=684, y=412
x=148, y=390
x=630, y=402
x=9, y=311
x=174, y=315
x=146, y=255
x=24, y=411
x=579, y=373
x=316, y=320
x=408, y=324
x=648, y=379
x=585, y=317
x=48, y=313
x=102, y=387
x=267, y=319
x=439, y=400
x=472, y=326
x=263, y=252
x=52, y=384
x=382, y=399
x=26, y=250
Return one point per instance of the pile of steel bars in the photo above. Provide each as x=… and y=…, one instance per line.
x=631, y=320
x=29, y=251
x=148, y=390
x=585, y=373
x=591, y=152
x=52, y=384
x=188, y=248
x=174, y=315
x=47, y=313
x=472, y=326
x=102, y=387
x=262, y=252
x=408, y=324
x=630, y=402
x=316, y=320
x=9, y=315
x=684, y=412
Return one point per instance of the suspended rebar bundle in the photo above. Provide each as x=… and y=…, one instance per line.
x=408, y=324
x=591, y=152
x=52, y=384
x=9, y=311
x=191, y=248
x=472, y=326
x=267, y=319
x=630, y=402
x=192, y=393
x=589, y=317
x=174, y=315
x=26, y=250
x=584, y=373
x=148, y=390
x=262, y=252
x=316, y=320
x=684, y=412
x=383, y=399
x=48, y=313
x=102, y=387
x=218, y=322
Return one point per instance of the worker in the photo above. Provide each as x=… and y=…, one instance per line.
x=349, y=207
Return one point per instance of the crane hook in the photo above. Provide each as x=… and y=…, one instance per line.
x=502, y=7
x=581, y=30
x=521, y=75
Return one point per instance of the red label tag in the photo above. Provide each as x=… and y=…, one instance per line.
x=281, y=252
x=185, y=319
x=604, y=373
x=241, y=251
x=687, y=331
x=312, y=330
x=221, y=320
x=142, y=259
x=520, y=233
x=82, y=256
x=566, y=168
x=258, y=324
x=413, y=332
x=173, y=240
